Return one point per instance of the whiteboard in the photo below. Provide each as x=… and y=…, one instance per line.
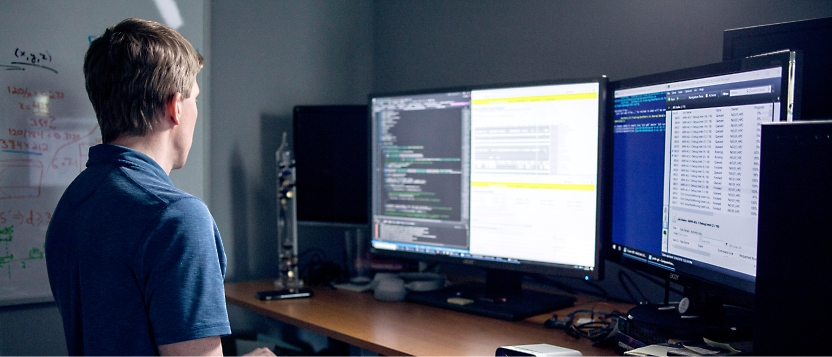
x=47, y=124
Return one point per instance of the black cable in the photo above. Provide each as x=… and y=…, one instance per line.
x=621, y=275
x=636, y=286
x=597, y=330
x=626, y=289
x=598, y=287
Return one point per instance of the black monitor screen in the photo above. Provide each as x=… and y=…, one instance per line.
x=687, y=169
x=808, y=36
x=331, y=153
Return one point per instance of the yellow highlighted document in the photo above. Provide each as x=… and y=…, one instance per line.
x=545, y=186
x=538, y=98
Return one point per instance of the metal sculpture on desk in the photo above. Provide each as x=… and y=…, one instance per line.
x=287, y=232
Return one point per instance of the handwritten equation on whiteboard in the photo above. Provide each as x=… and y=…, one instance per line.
x=29, y=59
x=44, y=143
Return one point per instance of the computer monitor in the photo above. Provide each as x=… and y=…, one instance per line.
x=507, y=178
x=331, y=150
x=811, y=37
x=685, y=189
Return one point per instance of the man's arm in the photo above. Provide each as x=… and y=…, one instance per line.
x=208, y=346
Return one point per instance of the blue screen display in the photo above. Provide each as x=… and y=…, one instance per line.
x=638, y=173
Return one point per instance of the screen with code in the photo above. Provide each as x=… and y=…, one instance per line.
x=686, y=178
x=421, y=187
x=503, y=178
x=507, y=174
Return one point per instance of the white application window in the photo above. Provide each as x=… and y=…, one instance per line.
x=712, y=182
x=534, y=161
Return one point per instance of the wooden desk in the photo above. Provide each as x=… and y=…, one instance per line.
x=403, y=328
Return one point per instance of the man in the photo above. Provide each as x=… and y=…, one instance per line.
x=136, y=265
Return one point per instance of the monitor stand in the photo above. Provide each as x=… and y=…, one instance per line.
x=500, y=297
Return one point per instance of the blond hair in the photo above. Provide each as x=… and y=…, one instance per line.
x=133, y=70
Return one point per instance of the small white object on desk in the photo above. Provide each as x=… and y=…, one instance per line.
x=539, y=350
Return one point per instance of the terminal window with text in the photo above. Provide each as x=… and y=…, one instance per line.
x=506, y=176
x=686, y=179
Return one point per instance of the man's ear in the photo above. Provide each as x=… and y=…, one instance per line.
x=173, y=108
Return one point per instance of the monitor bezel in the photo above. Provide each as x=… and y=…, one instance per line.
x=721, y=287
x=528, y=267
x=731, y=36
x=801, y=35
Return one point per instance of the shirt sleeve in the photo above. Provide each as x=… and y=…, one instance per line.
x=183, y=266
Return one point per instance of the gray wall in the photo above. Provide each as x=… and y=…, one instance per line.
x=269, y=56
x=424, y=44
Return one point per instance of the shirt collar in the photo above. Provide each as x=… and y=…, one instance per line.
x=121, y=156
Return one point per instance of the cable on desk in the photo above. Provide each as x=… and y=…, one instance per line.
x=596, y=325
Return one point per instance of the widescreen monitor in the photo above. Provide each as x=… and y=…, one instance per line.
x=685, y=190
x=507, y=178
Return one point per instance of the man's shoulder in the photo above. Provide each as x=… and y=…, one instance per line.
x=130, y=171
x=152, y=185
x=125, y=188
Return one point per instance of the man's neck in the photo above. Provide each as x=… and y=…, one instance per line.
x=152, y=145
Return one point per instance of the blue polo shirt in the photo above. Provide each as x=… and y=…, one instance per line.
x=133, y=262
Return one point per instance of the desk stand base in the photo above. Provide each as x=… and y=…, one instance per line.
x=473, y=299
